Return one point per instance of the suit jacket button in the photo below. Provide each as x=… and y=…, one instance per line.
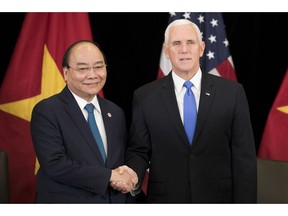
x=192, y=156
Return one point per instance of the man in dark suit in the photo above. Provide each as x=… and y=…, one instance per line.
x=72, y=169
x=219, y=165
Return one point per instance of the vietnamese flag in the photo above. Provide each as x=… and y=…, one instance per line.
x=34, y=73
x=274, y=144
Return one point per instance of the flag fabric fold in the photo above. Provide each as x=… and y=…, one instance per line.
x=274, y=143
x=34, y=73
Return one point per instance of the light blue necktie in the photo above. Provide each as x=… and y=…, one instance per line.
x=94, y=129
x=190, y=111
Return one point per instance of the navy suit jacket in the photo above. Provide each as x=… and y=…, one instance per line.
x=71, y=167
x=219, y=166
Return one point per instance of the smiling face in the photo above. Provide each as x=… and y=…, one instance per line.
x=184, y=50
x=85, y=83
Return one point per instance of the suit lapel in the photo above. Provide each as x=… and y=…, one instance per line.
x=80, y=122
x=206, y=99
x=170, y=102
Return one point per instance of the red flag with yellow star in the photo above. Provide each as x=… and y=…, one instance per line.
x=34, y=73
x=274, y=144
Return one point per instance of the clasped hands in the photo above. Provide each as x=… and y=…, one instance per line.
x=123, y=179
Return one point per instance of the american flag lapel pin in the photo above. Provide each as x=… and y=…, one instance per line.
x=109, y=115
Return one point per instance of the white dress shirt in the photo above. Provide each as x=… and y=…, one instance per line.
x=180, y=89
x=98, y=116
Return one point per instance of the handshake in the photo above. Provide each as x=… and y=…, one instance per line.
x=124, y=179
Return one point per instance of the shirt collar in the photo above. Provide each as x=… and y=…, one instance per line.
x=82, y=103
x=178, y=81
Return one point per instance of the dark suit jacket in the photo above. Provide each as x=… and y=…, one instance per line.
x=71, y=167
x=219, y=166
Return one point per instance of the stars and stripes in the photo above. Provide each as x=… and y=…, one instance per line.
x=216, y=59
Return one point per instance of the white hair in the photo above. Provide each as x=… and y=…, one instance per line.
x=180, y=22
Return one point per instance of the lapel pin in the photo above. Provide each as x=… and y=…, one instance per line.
x=207, y=93
x=109, y=115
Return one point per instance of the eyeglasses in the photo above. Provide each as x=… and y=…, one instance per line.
x=88, y=69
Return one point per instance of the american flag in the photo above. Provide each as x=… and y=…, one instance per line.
x=216, y=59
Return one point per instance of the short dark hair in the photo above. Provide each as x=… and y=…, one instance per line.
x=68, y=51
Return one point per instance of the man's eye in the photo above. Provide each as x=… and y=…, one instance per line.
x=83, y=69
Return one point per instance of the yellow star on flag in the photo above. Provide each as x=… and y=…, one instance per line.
x=52, y=82
x=283, y=109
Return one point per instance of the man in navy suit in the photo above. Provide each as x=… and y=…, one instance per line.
x=72, y=169
x=219, y=164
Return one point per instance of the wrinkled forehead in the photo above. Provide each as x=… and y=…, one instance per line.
x=85, y=51
x=85, y=46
